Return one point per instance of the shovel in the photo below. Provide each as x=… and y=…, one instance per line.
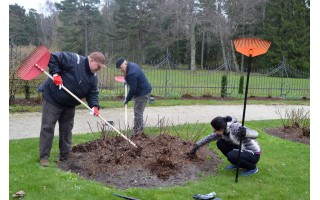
x=121, y=80
x=36, y=63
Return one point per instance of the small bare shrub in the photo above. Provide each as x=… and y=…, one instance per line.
x=297, y=118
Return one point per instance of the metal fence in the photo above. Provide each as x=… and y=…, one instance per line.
x=173, y=83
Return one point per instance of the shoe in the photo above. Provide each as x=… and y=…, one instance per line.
x=44, y=162
x=249, y=172
x=211, y=195
x=231, y=167
x=70, y=156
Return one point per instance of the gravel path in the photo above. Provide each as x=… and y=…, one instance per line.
x=27, y=125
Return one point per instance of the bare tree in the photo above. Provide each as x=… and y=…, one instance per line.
x=243, y=16
x=48, y=24
x=183, y=21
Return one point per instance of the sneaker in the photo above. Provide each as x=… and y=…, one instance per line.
x=231, y=167
x=249, y=172
x=44, y=162
x=70, y=156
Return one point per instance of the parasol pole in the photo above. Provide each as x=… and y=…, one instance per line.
x=244, y=111
x=250, y=47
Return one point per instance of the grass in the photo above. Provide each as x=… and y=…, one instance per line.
x=172, y=102
x=284, y=173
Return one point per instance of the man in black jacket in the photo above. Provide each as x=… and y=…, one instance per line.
x=78, y=74
x=140, y=90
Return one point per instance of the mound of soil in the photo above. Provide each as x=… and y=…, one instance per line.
x=294, y=134
x=158, y=161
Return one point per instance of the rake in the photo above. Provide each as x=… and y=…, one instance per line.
x=36, y=64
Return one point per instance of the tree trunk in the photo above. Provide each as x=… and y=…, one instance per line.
x=223, y=48
x=202, y=49
x=85, y=35
x=234, y=56
x=192, y=46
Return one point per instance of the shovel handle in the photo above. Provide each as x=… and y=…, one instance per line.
x=88, y=108
x=126, y=106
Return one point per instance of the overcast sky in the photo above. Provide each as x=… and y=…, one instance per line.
x=28, y=4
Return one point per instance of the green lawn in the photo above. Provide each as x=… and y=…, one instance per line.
x=284, y=173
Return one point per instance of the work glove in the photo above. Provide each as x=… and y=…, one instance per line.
x=125, y=102
x=95, y=111
x=242, y=131
x=193, y=151
x=57, y=80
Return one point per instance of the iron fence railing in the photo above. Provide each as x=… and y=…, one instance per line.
x=173, y=83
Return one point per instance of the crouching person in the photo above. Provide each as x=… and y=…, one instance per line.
x=228, y=133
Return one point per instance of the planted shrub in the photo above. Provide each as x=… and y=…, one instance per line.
x=224, y=84
x=241, y=85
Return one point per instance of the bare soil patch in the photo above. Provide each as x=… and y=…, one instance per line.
x=158, y=161
x=294, y=134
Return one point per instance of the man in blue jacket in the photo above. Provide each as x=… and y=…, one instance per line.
x=78, y=74
x=140, y=90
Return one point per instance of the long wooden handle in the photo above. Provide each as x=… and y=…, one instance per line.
x=89, y=108
x=126, y=107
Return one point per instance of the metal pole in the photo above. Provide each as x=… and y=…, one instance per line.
x=244, y=113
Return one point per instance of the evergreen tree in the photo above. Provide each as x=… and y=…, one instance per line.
x=32, y=27
x=134, y=24
x=287, y=26
x=17, y=21
x=79, y=22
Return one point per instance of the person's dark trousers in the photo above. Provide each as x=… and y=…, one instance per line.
x=139, y=106
x=248, y=160
x=50, y=116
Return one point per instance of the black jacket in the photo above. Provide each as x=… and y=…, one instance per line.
x=77, y=78
x=137, y=81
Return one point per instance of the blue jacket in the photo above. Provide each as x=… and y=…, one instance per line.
x=77, y=78
x=137, y=81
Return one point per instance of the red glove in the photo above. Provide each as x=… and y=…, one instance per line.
x=95, y=111
x=57, y=80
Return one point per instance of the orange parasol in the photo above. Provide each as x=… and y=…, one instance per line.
x=251, y=46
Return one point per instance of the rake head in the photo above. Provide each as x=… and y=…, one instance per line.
x=119, y=79
x=34, y=64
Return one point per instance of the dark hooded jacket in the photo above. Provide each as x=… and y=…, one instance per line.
x=77, y=78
